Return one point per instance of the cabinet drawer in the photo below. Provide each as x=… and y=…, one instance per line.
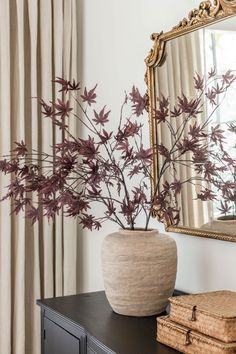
x=59, y=341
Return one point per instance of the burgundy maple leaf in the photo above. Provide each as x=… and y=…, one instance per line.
x=101, y=117
x=225, y=207
x=228, y=77
x=198, y=82
x=33, y=214
x=211, y=95
x=13, y=166
x=139, y=197
x=63, y=108
x=64, y=84
x=21, y=149
x=19, y=205
x=127, y=209
x=145, y=155
x=160, y=200
x=218, y=89
x=135, y=171
x=210, y=170
x=104, y=136
x=89, y=96
x=4, y=165
x=93, y=191
x=176, y=186
x=67, y=146
x=67, y=85
x=87, y=221
x=74, y=86
x=227, y=158
x=76, y=206
x=139, y=101
x=126, y=149
x=161, y=114
x=16, y=188
x=206, y=194
x=196, y=131
x=188, y=144
x=172, y=215
x=226, y=187
x=232, y=128
x=189, y=106
x=166, y=186
x=66, y=162
x=212, y=73
x=129, y=130
x=110, y=207
x=217, y=134
x=65, y=198
x=176, y=112
x=163, y=151
x=200, y=155
x=51, y=208
x=88, y=148
x=47, y=110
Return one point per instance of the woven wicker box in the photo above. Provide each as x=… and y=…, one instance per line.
x=212, y=313
x=190, y=342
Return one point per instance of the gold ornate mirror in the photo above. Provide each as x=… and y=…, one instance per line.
x=191, y=78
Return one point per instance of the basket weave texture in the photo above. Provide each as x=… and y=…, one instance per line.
x=189, y=342
x=213, y=313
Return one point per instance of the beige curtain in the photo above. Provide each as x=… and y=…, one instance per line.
x=184, y=59
x=38, y=41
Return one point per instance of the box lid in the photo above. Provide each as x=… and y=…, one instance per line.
x=218, y=303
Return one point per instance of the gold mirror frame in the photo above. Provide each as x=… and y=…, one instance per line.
x=208, y=13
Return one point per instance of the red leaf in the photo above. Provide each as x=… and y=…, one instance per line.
x=33, y=214
x=63, y=108
x=139, y=101
x=101, y=117
x=21, y=149
x=89, y=96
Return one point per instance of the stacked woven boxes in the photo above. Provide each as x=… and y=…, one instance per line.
x=200, y=324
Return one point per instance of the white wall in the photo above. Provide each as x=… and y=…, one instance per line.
x=115, y=42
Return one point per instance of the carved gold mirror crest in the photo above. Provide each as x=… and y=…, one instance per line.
x=191, y=79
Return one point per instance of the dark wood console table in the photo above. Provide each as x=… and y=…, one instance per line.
x=86, y=324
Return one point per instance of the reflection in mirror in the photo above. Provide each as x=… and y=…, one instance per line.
x=195, y=115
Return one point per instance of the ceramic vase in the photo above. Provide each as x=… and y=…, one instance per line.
x=139, y=271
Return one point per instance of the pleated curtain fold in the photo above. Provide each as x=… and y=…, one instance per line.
x=38, y=42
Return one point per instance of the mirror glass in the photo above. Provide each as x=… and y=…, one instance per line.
x=195, y=114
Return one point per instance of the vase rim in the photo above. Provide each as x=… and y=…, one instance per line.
x=138, y=230
x=216, y=221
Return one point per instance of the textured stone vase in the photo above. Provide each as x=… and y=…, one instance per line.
x=139, y=271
